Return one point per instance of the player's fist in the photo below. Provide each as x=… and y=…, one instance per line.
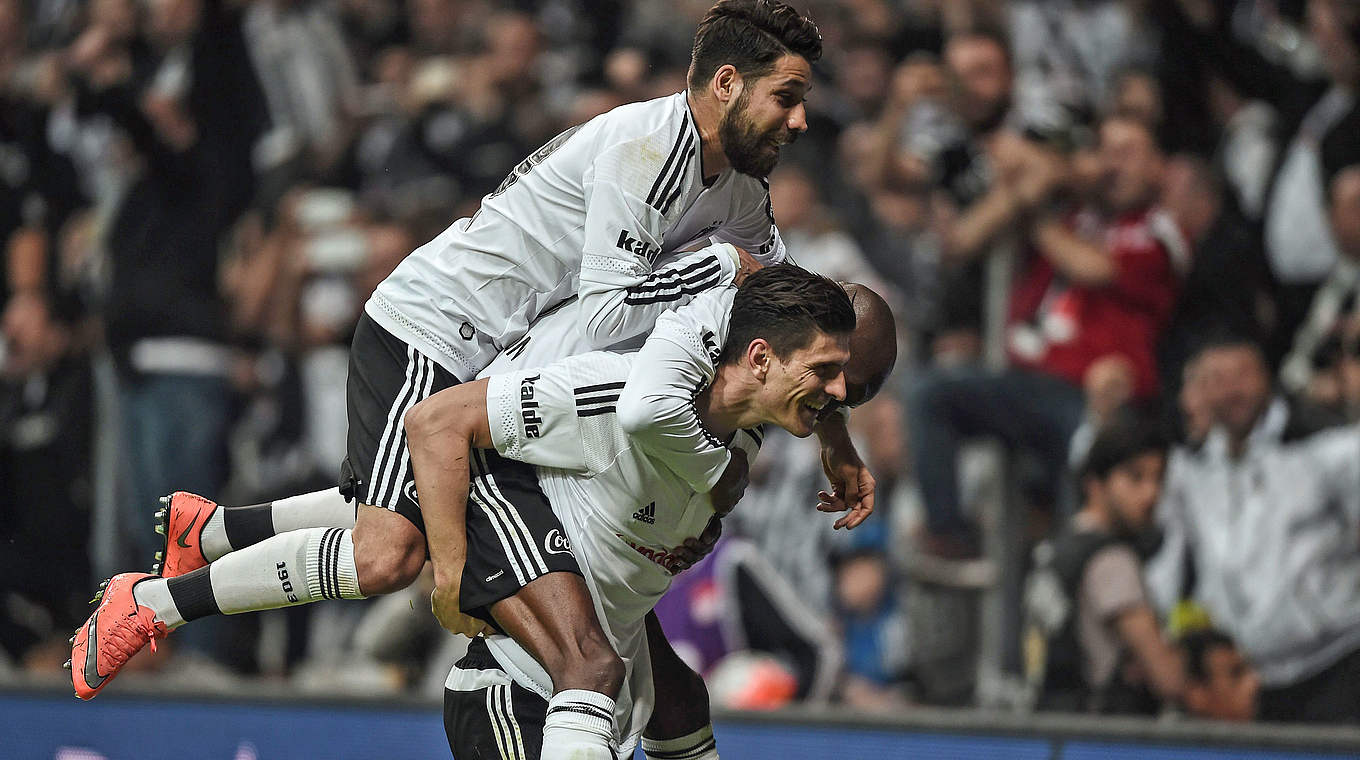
x=444, y=605
x=693, y=551
x=732, y=484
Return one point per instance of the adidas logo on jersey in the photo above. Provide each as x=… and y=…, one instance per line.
x=647, y=514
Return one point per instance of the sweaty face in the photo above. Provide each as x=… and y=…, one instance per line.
x=767, y=115
x=798, y=386
x=1132, y=490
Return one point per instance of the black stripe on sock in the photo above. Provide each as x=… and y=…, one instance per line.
x=193, y=594
x=247, y=526
x=583, y=709
x=330, y=546
x=682, y=754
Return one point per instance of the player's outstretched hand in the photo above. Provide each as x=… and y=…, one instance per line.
x=694, y=550
x=444, y=604
x=852, y=485
x=731, y=484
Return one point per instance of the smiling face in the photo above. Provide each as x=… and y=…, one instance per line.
x=795, y=388
x=767, y=114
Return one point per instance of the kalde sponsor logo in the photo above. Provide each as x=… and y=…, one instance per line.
x=668, y=561
x=528, y=408
x=633, y=245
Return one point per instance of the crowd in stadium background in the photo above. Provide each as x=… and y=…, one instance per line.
x=197, y=197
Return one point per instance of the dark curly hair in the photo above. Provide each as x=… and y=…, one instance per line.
x=751, y=35
x=787, y=306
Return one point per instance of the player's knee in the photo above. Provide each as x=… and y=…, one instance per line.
x=387, y=567
x=590, y=662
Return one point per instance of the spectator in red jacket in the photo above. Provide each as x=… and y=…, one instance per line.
x=1098, y=282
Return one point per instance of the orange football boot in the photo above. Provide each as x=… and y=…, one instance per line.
x=117, y=630
x=181, y=521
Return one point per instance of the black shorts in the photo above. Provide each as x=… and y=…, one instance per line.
x=502, y=721
x=513, y=536
x=386, y=378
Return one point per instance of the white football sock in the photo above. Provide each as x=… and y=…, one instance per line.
x=579, y=726
x=296, y=567
x=232, y=528
x=695, y=746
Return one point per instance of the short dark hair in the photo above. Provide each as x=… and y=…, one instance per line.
x=1124, y=438
x=751, y=35
x=786, y=305
x=1197, y=646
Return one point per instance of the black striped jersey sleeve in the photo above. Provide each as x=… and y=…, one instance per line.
x=563, y=415
x=632, y=194
x=657, y=407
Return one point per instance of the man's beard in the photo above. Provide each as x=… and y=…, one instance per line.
x=747, y=150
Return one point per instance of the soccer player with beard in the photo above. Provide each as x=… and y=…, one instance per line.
x=632, y=213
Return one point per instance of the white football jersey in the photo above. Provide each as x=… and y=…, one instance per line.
x=656, y=408
x=622, y=509
x=603, y=212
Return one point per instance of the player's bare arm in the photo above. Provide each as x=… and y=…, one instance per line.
x=441, y=433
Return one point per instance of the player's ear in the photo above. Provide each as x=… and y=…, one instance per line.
x=727, y=83
x=758, y=356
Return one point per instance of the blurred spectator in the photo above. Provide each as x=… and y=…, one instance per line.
x=812, y=234
x=1228, y=279
x=873, y=631
x=1219, y=682
x=1101, y=282
x=1248, y=149
x=1104, y=651
x=308, y=78
x=980, y=209
x=1335, y=301
x=1267, y=516
x=1066, y=55
x=1317, y=121
x=194, y=123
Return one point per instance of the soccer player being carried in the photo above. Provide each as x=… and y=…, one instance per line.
x=630, y=214
x=566, y=559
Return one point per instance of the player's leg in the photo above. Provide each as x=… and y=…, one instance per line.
x=198, y=530
x=383, y=552
x=521, y=575
x=681, y=727
x=487, y=715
